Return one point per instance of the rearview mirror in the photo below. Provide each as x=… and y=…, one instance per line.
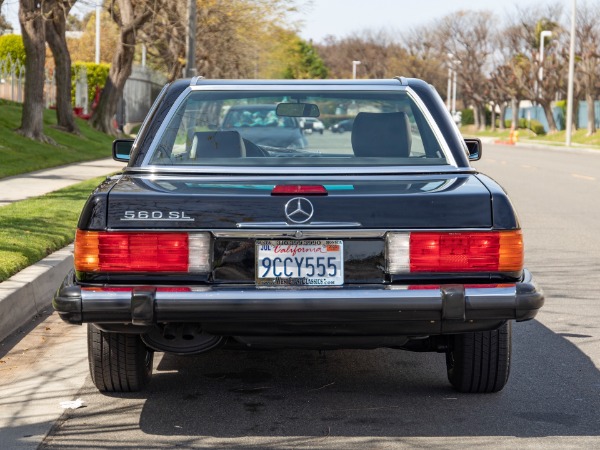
x=475, y=148
x=298, y=110
x=121, y=149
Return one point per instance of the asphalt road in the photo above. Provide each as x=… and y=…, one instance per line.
x=354, y=399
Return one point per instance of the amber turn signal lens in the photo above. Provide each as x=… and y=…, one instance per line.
x=511, y=251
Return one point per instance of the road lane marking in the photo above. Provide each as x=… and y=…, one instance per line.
x=583, y=177
x=525, y=166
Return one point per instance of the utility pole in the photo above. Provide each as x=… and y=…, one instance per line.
x=354, y=64
x=569, y=123
x=190, y=67
x=98, y=11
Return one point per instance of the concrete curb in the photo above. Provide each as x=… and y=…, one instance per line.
x=30, y=291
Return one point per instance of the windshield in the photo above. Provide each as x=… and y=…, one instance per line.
x=346, y=128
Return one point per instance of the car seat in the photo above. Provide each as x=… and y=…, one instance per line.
x=381, y=135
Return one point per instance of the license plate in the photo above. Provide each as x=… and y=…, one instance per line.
x=299, y=263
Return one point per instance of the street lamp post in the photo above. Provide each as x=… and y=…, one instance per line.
x=98, y=10
x=354, y=64
x=449, y=91
x=454, y=93
x=452, y=81
x=450, y=72
x=190, y=66
x=571, y=77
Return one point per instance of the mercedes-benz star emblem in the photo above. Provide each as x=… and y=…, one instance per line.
x=299, y=210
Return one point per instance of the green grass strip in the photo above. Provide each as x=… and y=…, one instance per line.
x=32, y=229
x=579, y=137
x=20, y=155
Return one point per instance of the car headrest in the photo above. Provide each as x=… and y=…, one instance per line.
x=381, y=135
x=217, y=144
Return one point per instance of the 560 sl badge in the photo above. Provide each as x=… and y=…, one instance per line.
x=172, y=216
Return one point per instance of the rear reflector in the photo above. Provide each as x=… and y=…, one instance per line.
x=284, y=189
x=494, y=251
x=142, y=252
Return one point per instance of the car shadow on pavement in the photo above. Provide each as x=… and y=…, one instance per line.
x=553, y=390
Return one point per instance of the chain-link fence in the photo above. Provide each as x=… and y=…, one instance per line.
x=12, y=79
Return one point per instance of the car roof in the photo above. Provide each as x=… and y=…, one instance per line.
x=398, y=81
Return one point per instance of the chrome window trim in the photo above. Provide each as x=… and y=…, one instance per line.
x=434, y=127
x=153, y=108
x=161, y=130
x=279, y=170
x=299, y=170
x=255, y=225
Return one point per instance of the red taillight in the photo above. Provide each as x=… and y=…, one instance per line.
x=466, y=252
x=493, y=251
x=137, y=252
x=284, y=189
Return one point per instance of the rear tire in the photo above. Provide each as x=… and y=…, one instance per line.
x=480, y=362
x=118, y=362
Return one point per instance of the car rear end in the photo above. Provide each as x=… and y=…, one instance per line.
x=384, y=237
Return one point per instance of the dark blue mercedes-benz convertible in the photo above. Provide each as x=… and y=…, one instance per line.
x=384, y=236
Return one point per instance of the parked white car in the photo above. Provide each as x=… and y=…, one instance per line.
x=310, y=124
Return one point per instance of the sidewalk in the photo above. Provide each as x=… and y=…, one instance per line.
x=30, y=291
x=34, y=184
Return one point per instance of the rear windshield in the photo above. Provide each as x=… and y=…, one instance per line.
x=262, y=129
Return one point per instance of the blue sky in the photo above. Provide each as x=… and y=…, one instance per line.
x=342, y=17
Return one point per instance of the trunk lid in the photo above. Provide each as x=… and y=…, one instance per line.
x=391, y=202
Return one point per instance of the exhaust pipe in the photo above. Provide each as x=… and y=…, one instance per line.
x=170, y=332
x=189, y=331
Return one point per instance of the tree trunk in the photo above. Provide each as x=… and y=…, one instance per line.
x=549, y=116
x=121, y=66
x=56, y=12
x=591, y=113
x=120, y=70
x=493, y=124
x=502, y=120
x=476, y=116
x=514, y=103
x=32, y=27
x=482, y=118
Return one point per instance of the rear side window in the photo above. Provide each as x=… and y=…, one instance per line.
x=270, y=129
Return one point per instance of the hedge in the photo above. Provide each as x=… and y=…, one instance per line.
x=96, y=76
x=12, y=44
x=534, y=125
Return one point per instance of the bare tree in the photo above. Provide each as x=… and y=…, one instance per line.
x=424, y=57
x=377, y=50
x=523, y=35
x=167, y=33
x=33, y=29
x=4, y=24
x=506, y=78
x=233, y=37
x=467, y=37
x=55, y=14
x=588, y=57
x=130, y=16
